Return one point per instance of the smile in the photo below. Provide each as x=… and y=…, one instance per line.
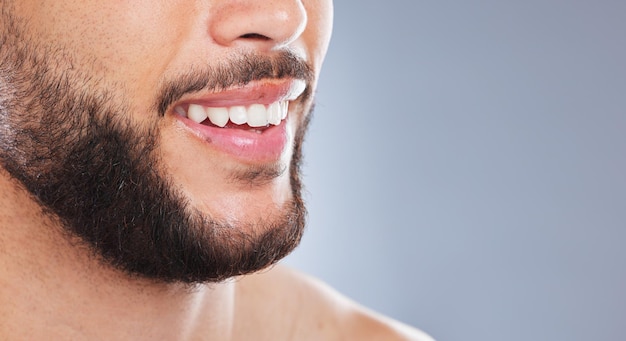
x=248, y=123
x=255, y=116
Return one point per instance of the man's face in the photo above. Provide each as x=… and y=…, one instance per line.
x=102, y=119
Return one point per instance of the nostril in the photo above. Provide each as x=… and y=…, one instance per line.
x=252, y=23
x=254, y=36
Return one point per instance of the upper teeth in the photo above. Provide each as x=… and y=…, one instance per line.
x=255, y=115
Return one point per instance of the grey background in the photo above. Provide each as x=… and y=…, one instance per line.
x=466, y=168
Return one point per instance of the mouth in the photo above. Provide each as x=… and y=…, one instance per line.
x=255, y=117
x=247, y=123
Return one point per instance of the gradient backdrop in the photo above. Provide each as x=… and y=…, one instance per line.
x=466, y=168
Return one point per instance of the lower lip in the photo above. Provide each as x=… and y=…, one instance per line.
x=242, y=144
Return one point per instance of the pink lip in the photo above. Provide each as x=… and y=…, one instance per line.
x=261, y=92
x=244, y=144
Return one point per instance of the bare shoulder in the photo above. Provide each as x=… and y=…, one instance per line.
x=305, y=308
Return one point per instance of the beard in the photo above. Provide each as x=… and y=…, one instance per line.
x=67, y=138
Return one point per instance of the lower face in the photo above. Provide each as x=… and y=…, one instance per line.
x=127, y=168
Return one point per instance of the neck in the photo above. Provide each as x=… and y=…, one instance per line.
x=54, y=289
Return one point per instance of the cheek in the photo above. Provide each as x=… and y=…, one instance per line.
x=136, y=45
x=127, y=44
x=319, y=28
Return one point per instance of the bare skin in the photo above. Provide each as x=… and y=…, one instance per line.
x=54, y=286
x=52, y=289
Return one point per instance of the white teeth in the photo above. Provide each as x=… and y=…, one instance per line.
x=256, y=115
x=238, y=114
x=284, y=109
x=274, y=114
x=196, y=113
x=218, y=116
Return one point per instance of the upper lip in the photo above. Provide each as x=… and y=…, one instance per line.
x=256, y=92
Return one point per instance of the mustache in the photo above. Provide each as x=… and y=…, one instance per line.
x=237, y=72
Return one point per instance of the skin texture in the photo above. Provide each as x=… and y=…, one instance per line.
x=109, y=201
x=73, y=141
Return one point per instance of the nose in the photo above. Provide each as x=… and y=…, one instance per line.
x=267, y=24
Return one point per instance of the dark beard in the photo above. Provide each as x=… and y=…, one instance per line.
x=98, y=175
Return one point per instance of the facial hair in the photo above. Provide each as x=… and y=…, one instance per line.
x=66, y=137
